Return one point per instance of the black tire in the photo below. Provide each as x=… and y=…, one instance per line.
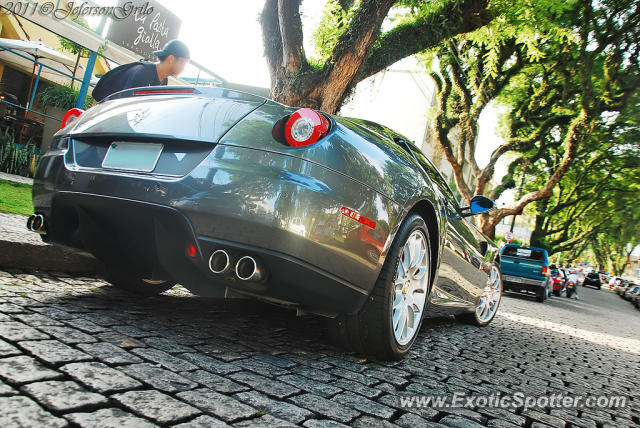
x=370, y=331
x=541, y=295
x=472, y=317
x=556, y=293
x=137, y=285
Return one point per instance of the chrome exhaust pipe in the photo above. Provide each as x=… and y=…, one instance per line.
x=249, y=269
x=219, y=262
x=36, y=223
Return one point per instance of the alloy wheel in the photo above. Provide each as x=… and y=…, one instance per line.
x=410, y=287
x=490, y=298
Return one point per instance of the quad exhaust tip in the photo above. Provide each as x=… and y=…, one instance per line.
x=36, y=223
x=219, y=262
x=249, y=269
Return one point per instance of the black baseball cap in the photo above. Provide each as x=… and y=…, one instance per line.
x=175, y=48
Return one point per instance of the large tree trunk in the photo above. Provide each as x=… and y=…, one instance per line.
x=359, y=52
x=293, y=81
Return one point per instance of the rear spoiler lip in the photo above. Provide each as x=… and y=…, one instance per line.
x=153, y=90
x=185, y=90
x=136, y=136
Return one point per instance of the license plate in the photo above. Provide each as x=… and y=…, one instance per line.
x=127, y=156
x=513, y=278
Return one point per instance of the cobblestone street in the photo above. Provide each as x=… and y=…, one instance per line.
x=75, y=351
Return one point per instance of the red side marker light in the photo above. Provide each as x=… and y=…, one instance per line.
x=191, y=251
x=357, y=217
x=305, y=126
x=70, y=116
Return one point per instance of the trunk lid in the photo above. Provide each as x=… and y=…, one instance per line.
x=185, y=113
x=162, y=131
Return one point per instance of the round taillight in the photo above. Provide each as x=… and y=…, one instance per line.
x=304, y=127
x=70, y=116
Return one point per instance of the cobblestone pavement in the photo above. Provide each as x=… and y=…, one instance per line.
x=74, y=351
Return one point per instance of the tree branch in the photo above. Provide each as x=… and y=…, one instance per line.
x=454, y=17
x=346, y=58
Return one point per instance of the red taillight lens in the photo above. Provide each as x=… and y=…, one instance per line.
x=163, y=91
x=70, y=116
x=545, y=271
x=304, y=127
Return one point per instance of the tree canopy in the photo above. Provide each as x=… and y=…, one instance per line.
x=580, y=68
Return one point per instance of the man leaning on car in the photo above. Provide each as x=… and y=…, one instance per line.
x=173, y=58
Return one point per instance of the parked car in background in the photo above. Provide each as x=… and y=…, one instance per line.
x=604, y=277
x=636, y=300
x=622, y=287
x=558, y=278
x=614, y=284
x=592, y=279
x=526, y=270
x=631, y=291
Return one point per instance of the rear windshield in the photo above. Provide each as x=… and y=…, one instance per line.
x=524, y=253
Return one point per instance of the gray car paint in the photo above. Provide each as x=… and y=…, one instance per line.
x=253, y=189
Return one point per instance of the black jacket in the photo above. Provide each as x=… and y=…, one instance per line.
x=133, y=75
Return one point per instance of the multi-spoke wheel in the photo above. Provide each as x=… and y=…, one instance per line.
x=410, y=287
x=488, y=301
x=387, y=325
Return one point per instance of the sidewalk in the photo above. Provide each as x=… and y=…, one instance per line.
x=16, y=178
x=22, y=249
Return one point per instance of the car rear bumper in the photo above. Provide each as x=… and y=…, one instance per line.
x=516, y=283
x=284, y=211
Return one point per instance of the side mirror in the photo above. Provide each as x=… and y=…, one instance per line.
x=479, y=204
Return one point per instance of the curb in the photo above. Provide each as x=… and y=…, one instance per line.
x=47, y=257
